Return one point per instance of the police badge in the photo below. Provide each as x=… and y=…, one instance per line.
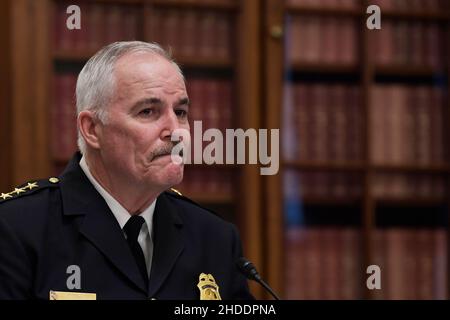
x=209, y=290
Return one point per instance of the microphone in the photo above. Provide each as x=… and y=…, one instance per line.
x=249, y=271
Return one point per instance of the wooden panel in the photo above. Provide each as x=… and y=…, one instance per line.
x=41, y=85
x=249, y=106
x=368, y=219
x=29, y=90
x=5, y=97
x=448, y=136
x=273, y=66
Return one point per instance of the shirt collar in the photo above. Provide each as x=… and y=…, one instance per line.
x=119, y=212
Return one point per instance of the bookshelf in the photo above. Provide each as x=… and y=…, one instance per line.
x=357, y=186
x=214, y=41
x=347, y=175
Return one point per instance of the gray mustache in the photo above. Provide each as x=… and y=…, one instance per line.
x=162, y=151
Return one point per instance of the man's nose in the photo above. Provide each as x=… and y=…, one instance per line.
x=170, y=124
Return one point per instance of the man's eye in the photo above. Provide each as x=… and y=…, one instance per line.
x=146, y=112
x=181, y=113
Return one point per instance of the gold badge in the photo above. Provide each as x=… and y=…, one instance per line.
x=209, y=290
x=61, y=295
x=53, y=180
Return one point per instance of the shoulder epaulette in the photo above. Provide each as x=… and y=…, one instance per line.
x=29, y=188
x=176, y=193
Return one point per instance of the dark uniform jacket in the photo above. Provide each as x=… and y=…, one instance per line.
x=49, y=225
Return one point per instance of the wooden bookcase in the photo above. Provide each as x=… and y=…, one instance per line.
x=299, y=249
x=259, y=69
x=43, y=59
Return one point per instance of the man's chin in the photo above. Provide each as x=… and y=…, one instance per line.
x=171, y=175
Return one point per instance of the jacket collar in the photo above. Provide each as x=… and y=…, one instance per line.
x=101, y=228
x=168, y=242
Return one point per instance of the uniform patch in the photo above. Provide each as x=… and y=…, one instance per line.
x=28, y=188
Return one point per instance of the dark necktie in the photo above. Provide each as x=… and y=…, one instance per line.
x=132, y=229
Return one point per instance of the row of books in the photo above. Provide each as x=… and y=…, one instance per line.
x=409, y=43
x=63, y=117
x=409, y=186
x=314, y=39
x=413, y=263
x=101, y=24
x=202, y=182
x=319, y=184
x=326, y=263
x=408, y=124
x=323, y=263
x=211, y=101
x=411, y=5
x=396, y=186
x=338, y=4
x=322, y=122
x=189, y=33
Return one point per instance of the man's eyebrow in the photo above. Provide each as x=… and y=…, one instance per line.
x=184, y=101
x=146, y=101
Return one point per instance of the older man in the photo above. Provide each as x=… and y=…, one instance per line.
x=107, y=228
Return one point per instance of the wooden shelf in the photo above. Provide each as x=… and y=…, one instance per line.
x=129, y=2
x=360, y=166
x=322, y=11
x=331, y=201
x=360, y=12
x=106, y=2
x=330, y=166
x=73, y=56
x=209, y=198
x=411, y=201
x=186, y=62
x=197, y=62
x=412, y=168
x=60, y=161
x=419, y=15
x=407, y=70
x=196, y=4
x=325, y=68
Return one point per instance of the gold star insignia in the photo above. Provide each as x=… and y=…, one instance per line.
x=5, y=196
x=18, y=191
x=32, y=185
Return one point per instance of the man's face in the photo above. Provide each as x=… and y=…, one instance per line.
x=149, y=103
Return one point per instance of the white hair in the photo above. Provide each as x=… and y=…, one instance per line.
x=96, y=81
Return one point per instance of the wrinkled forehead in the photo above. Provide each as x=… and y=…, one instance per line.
x=147, y=67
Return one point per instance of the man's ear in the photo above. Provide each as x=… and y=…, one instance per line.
x=90, y=128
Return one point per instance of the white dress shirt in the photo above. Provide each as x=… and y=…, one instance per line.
x=122, y=216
